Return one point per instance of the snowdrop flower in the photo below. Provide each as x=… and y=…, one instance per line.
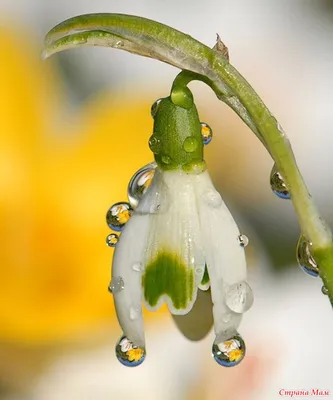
x=180, y=238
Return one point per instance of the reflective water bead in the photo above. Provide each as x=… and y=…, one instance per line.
x=134, y=313
x=116, y=285
x=239, y=297
x=324, y=290
x=166, y=159
x=206, y=133
x=190, y=144
x=129, y=354
x=154, y=144
x=154, y=107
x=230, y=352
x=112, y=240
x=243, y=240
x=138, y=267
x=118, y=215
x=139, y=183
x=304, y=257
x=277, y=184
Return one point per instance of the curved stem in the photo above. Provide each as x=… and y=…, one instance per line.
x=152, y=39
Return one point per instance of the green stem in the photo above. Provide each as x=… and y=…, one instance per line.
x=152, y=39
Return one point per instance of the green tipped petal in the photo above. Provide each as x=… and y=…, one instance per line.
x=167, y=275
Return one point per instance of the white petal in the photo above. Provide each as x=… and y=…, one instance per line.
x=225, y=257
x=127, y=257
x=175, y=231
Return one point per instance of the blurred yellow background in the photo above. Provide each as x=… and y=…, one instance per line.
x=75, y=128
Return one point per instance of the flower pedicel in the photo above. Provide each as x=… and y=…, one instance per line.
x=179, y=238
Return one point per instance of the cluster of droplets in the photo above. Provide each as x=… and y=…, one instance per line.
x=190, y=144
x=116, y=218
x=303, y=252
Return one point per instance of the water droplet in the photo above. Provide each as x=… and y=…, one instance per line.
x=213, y=198
x=190, y=144
x=79, y=40
x=166, y=159
x=230, y=352
x=138, y=267
x=277, y=184
x=226, y=317
x=304, y=257
x=198, y=270
x=324, y=290
x=243, y=240
x=154, y=107
x=139, y=183
x=116, y=285
x=134, y=313
x=239, y=297
x=118, y=215
x=128, y=354
x=154, y=144
x=112, y=240
x=207, y=133
x=118, y=44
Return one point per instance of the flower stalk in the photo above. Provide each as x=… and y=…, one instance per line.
x=152, y=39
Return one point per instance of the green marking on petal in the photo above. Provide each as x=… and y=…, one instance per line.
x=205, y=278
x=168, y=275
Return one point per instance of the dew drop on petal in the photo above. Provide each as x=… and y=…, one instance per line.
x=277, y=184
x=206, y=133
x=112, y=239
x=118, y=215
x=324, y=290
x=230, y=352
x=116, y=285
x=304, y=257
x=190, y=144
x=134, y=313
x=243, y=240
x=239, y=297
x=154, y=107
x=139, y=183
x=128, y=354
x=213, y=198
x=138, y=267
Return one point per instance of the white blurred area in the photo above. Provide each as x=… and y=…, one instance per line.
x=284, y=49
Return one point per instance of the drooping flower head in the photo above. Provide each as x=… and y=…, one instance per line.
x=180, y=238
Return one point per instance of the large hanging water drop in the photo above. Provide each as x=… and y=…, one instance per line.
x=139, y=183
x=118, y=215
x=304, y=257
x=128, y=354
x=277, y=184
x=206, y=133
x=230, y=352
x=112, y=240
x=239, y=297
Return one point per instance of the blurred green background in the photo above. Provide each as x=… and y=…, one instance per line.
x=75, y=128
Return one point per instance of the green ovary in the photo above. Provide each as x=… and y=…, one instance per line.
x=167, y=275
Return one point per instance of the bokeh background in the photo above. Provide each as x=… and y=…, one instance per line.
x=74, y=129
